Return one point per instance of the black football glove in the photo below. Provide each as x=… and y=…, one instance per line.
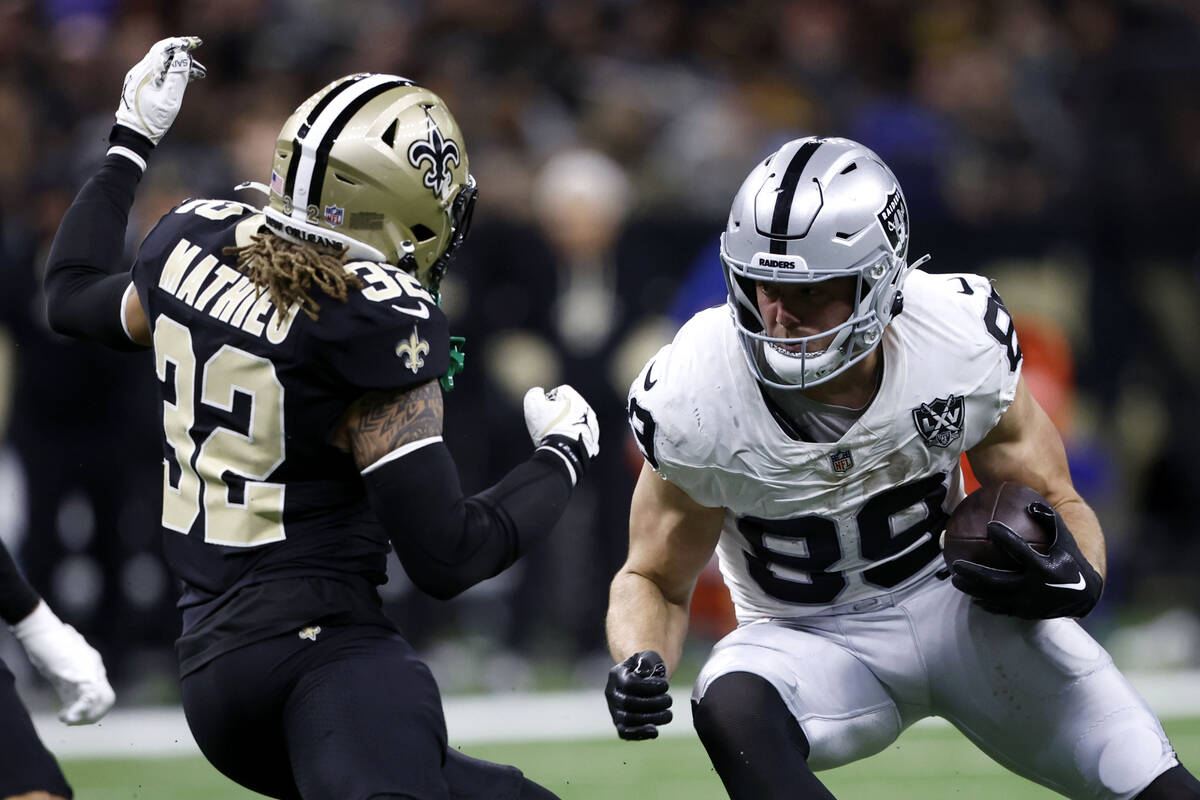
x=1059, y=584
x=637, y=695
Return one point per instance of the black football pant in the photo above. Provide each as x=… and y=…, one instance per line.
x=25, y=764
x=351, y=716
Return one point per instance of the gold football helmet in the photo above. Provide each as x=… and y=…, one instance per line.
x=374, y=166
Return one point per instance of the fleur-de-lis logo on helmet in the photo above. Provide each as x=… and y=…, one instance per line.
x=441, y=153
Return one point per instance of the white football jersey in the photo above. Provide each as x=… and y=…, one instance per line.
x=812, y=525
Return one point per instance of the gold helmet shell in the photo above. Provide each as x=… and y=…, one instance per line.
x=376, y=167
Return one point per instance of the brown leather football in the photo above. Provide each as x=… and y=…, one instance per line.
x=966, y=531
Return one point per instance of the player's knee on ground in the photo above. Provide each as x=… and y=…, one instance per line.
x=1174, y=784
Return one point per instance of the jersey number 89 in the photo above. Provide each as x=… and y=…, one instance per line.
x=790, y=558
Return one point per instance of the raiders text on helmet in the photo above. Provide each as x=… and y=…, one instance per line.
x=375, y=166
x=814, y=210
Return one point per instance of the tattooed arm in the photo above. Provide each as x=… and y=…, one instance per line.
x=446, y=541
x=379, y=423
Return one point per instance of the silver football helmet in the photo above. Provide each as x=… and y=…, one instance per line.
x=815, y=210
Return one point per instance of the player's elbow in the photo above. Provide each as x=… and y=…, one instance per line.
x=56, y=313
x=62, y=320
x=442, y=585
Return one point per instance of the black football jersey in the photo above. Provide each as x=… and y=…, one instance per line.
x=266, y=523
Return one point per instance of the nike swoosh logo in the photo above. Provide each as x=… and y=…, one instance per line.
x=648, y=384
x=420, y=312
x=1079, y=584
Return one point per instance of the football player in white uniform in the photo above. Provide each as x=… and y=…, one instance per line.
x=810, y=433
x=28, y=770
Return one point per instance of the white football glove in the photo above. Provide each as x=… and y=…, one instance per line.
x=562, y=422
x=71, y=665
x=153, y=90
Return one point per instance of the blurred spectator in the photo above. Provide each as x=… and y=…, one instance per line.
x=571, y=299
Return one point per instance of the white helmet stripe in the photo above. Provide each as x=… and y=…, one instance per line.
x=324, y=125
x=313, y=113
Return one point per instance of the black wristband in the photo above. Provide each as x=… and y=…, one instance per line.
x=573, y=455
x=120, y=136
x=17, y=597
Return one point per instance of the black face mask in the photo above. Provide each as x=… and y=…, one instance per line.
x=461, y=212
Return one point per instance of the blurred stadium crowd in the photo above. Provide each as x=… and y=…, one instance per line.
x=1054, y=146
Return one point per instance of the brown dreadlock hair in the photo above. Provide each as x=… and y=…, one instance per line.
x=287, y=270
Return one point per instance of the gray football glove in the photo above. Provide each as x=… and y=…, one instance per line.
x=154, y=87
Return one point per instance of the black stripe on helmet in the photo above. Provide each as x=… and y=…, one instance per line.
x=335, y=130
x=289, y=187
x=787, y=192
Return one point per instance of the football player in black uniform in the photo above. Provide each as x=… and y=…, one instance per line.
x=300, y=348
x=74, y=669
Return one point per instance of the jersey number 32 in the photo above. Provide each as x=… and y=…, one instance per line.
x=225, y=472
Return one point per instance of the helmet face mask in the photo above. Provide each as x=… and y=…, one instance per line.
x=375, y=167
x=815, y=210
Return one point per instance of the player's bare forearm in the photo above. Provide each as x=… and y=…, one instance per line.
x=1026, y=448
x=380, y=422
x=641, y=618
x=671, y=539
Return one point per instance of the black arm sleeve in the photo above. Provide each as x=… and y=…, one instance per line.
x=84, y=279
x=17, y=597
x=448, y=542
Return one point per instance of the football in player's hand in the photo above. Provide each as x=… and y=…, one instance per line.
x=966, y=531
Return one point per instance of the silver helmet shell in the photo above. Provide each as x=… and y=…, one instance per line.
x=814, y=210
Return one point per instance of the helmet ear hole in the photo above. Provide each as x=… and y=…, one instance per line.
x=389, y=136
x=423, y=232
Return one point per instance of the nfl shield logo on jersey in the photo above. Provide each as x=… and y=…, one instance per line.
x=940, y=422
x=334, y=215
x=841, y=461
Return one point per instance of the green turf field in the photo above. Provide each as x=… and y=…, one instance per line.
x=927, y=763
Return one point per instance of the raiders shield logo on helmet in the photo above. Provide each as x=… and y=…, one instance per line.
x=894, y=219
x=940, y=422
